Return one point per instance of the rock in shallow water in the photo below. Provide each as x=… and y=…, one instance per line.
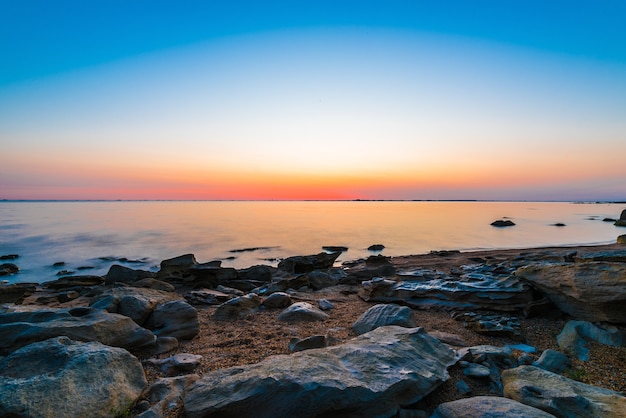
x=372, y=375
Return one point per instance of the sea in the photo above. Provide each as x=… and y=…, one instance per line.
x=56, y=238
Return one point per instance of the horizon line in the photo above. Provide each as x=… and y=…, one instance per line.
x=315, y=200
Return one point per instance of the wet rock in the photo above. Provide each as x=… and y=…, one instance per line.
x=575, y=334
x=63, y=378
x=559, y=395
x=384, y=314
x=502, y=223
x=9, y=256
x=591, y=291
x=8, y=268
x=307, y=263
x=20, y=328
x=487, y=407
x=376, y=247
x=238, y=308
x=302, y=311
x=335, y=248
x=174, y=319
x=316, y=341
x=260, y=273
x=374, y=374
x=122, y=274
x=182, y=363
x=16, y=292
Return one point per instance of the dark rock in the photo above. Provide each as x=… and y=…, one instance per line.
x=182, y=363
x=325, y=304
x=307, y=263
x=209, y=275
x=154, y=284
x=207, y=297
x=335, y=248
x=622, y=219
x=9, y=257
x=135, y=303
x=477, y=371
x=376, y=247
x=259, y=274
x=59, y=264
x=8, y=268
x=302, y=311
x=558, y=224
x=615, y=256
x=238, y=308
x=502, y=223
x=278, y=300
x=377, y=260
x=621, y=239
x=320, y=280
x=123, y=274
x=174, y=319
x=373, y=375
x=176, y=268
x=16, y=292
x=65, y=273
x=163, y=393
x=487, y=407
x=74, y=281
x=164, y=345
x=384, y=314
x=316, y=341
x=553, y=361
x=63, y=378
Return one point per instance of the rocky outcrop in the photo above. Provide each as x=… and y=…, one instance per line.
x=384, y=314
x=473, y=290
x=81, y=324
x=63, y=378
x=574, y=337
x=487, y=407
x=372, y=375
x=17, y=292
x=560, y=396
x=122, y=274
x=592, y=291
x=306, y=263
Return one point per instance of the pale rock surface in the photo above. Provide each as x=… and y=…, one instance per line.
x=384, y=314
x=487, y=407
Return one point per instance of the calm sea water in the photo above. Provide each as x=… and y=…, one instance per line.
x=87, y=235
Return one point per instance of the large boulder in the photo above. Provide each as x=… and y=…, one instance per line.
x=81, y=324
x=592, y=291
x=176, y=319
x=63, y=378
x=561, y=396
x=487, y=407
x=306, y=263
x=372, y=375
x=384, y=314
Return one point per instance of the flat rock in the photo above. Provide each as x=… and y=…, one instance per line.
x=575, y=334
x=16, y=292
x=384, y=314
x=302, y=311
x=559, y=395
x=307, y=263
x=74, y=281
x=372, y=375
x=487, y=407
x=592, y=291
x=238, y=308
x=63, y=378
x=176, y=319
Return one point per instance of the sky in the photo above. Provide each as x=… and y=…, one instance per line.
x=487, y=100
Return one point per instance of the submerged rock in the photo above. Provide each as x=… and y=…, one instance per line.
x=502, y=223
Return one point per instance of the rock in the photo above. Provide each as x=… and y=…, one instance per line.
x=63, y=378
x=9, y=256
x=502, y=223
x=259, y=274
x=135, y=303
x=450, y=339
x=16, y=292
x=307, y=263
x=621, y=239
x=616, y=256
x=121, y=274
x=559, y=224
x=182, y=363
x=463, y=387
x=384, y=314
x=209, y=275
x=499, y=356
x=575, y=334
x=553, y=361
x=376, y=247
x=302, y=311
x=164, y=345
x=74, y=281
x=325, y=304
x=149, y=283
x=320, y=280
x=593, y=291
x=487, y=407
x=280, y=284
x=238, y=308
x=8, y=268
x=316, y=341
x=176, y=268
x=81, y=324
x=207, y=297
x=622, y=219
x=372, y=375
x=174, y=319
x=335, y=248
x=484, y=290
x=477, y=371
x=559, y=395
x=278, y=300
x=492, y=325
x=164, y=393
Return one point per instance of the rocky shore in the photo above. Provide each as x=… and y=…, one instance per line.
x=535, y=332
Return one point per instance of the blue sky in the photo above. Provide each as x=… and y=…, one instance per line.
x=397, y=99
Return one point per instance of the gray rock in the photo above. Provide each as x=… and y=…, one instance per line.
x=302, y=311
x=316, y=341
x=261, y=273
x=278, y=300
x=307, y=263
x=176, y=268
x=500, y=356
x=176, y=319
x=74, y=281
x=477, y=371
x=81, y=324
x=182, y=363
x=575, y=334
x=63, y=378
x=164, y=393
x=592, y=291
x=135, y=303
x=615, y=256
x=155, y=284
x=238, y=308
x=384, y=314
x=124, y=274
x=553, y=361
x=209, y=275
x=372, y=375
x=164, y=345
x=487, y=407
x=559, y=395
x=325, y=304
x=321, y=280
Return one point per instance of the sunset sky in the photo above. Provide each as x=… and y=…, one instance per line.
x=510, y=100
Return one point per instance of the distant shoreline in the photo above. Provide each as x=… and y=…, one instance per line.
x=591, y=202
